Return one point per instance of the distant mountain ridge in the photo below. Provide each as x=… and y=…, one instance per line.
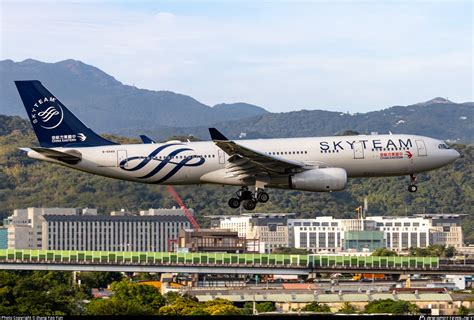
x=107, y=105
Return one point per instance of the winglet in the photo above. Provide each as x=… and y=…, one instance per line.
x=146, y=139
x=216, y=135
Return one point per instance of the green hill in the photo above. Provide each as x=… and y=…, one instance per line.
x=25, y=182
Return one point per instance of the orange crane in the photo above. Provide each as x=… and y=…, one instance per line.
x=186, y=212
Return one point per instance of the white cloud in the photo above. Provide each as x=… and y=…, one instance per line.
x=280, y=56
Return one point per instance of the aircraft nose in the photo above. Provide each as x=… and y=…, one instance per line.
x=455, y=155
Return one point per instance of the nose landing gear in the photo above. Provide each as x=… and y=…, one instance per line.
x=412, y=187
x=248, y=198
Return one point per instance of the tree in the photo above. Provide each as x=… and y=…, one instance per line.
x=316, y=307
x=384, y=252
x=129, y=299
x=285, y=250
x=221, y=307
x=450, y=252
x=98, y=279
x=347, y=308
x=435, y=250
x=391, y=306
x=39, y=293
x=183, y=306
x=116, y=307
x=266, y=306
x=462, y=311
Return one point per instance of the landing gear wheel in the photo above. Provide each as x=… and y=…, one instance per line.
x=250, y=204
x=234, y=203
x=246, y=195
x=262, y=197
x=412, y=187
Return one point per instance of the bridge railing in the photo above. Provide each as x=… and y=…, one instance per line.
x=222, y=259
x=114, y=257
x=321, y=261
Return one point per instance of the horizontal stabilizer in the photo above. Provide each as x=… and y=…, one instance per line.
x=70, y=157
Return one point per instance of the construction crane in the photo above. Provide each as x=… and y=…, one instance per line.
x=186, y=212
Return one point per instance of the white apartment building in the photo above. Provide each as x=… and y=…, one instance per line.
x=73, y=229
x=25, y=226
x=326, y=234
x=404, y=232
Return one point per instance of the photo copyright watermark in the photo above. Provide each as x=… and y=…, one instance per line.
x=446, y=317
x=31, y=318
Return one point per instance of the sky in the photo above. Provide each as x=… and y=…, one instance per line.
x=348, y=56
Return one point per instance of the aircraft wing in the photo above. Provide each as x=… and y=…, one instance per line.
x=245, y=161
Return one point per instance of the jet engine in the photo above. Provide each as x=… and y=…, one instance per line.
x=323, y=179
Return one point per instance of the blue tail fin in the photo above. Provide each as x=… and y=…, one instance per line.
x=53, y=123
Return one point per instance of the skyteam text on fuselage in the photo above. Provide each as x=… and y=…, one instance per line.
x=310, y=164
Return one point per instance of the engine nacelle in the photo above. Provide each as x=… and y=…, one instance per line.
x=324, y=179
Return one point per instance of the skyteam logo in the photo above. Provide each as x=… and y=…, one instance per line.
x=47, y=113
x=158, y=160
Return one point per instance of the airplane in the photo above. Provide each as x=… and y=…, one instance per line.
x=318, y=164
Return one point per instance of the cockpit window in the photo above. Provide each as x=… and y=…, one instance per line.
x=443, y=146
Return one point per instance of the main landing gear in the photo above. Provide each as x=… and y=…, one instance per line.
x=412, y=187
x=248, y=198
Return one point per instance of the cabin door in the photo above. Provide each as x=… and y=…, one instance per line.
x=358, y=150
x=221, y=155
x=122, y=155
x=420, y=145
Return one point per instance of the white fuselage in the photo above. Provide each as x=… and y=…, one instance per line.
x=177, y=162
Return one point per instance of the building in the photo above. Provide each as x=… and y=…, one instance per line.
x=327, y=234
x=404, y=232
x=263, y=232
x=211, y=240
x=25, y=226
x=294, y=300
x=446, y=229
x=77, y=229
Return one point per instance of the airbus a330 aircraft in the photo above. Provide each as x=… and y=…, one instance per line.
x=309, y=164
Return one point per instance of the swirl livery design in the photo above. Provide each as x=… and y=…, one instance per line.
x=162, y=161
x=47, y=114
